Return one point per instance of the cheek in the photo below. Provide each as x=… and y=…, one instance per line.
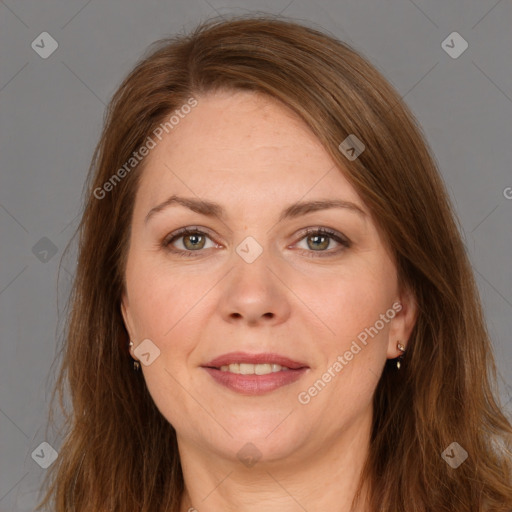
x=354, y=302
x=166, y=306
x=161, y=299
x=348, y=371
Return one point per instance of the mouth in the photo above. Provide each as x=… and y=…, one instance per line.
x=253, y=369
x=254, y=374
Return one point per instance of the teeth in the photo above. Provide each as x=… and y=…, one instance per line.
x=253, y=369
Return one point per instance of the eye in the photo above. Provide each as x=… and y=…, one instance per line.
x=192, y=239
x=319, y=239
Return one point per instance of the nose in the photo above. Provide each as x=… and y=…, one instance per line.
x=254, y=294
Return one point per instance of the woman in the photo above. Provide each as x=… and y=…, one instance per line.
x=273, y=308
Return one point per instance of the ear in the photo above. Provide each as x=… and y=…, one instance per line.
x=403, y=323
x=128, y=322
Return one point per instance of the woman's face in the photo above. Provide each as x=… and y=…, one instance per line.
x=255, y=279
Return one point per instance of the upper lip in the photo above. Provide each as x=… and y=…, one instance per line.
x=244, y=357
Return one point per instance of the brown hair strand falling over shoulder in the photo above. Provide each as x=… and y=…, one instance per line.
x=119, y=453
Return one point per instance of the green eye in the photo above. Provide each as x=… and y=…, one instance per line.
x=194, y=240
x=319, y=239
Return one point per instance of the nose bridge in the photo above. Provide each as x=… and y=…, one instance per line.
x=253, y=291
x=250, y=250
x=252, y=262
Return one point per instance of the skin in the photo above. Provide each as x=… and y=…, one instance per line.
x=255, y=157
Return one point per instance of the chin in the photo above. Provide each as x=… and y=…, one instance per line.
x=259, y=441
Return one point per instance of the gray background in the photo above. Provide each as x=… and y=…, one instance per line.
x=52, y=112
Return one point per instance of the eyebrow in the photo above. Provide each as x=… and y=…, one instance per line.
x=211, y=209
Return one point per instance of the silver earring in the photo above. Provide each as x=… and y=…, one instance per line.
x=402, y=349
x=136, y=364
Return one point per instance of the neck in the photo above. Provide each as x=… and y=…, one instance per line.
x=322, y=478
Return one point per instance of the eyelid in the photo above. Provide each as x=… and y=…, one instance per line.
x=335, y=235
x=187, y=230
x=325, y=231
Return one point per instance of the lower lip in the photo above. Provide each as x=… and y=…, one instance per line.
x=255, y=384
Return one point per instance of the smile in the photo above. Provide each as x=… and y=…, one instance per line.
x=253, y=369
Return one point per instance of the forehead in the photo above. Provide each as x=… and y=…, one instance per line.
x=240, y=145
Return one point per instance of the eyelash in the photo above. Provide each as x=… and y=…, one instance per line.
x=334, y=235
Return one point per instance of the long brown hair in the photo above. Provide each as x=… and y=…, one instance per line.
x=120, y=453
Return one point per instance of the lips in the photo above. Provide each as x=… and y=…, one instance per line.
x=243, y=357
x=254, y=374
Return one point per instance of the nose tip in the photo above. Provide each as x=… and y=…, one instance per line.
x=254, y=293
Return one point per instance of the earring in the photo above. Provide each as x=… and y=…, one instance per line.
x=136, y=364
x=402, y=349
